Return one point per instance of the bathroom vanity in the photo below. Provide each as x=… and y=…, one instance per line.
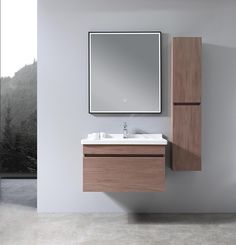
x=134, y=164
x=127, y=81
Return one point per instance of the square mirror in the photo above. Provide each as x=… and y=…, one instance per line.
x=124, y=72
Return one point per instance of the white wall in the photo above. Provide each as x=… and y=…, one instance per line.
x=62, y=103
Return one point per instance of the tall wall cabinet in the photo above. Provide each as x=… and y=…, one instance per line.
x=186, y=103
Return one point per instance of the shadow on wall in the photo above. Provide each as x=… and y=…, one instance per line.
x=218, y=122
x=134, y=202
x=218, y=108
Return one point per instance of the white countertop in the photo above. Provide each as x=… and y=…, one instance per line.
x=117, y=139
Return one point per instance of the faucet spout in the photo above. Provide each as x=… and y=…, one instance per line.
x=125, y=130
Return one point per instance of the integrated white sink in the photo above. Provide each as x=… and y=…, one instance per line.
x=117, y=139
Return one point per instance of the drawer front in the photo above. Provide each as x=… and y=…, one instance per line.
x=123, y=174
x=155, y=150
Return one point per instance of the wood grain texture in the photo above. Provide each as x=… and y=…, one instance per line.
x=186, y=142
x=123, y=174
x=124, y=150
x=186, y=69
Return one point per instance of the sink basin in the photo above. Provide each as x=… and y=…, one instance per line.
x=117, y=139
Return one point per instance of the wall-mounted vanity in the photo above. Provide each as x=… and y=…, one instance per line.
x=112, y=163
x=125, y=77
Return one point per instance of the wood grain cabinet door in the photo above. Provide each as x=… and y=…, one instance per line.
x=123, y=174
x=186, y=152
x=186, y=68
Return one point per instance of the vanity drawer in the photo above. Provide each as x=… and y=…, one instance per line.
x=152, y=150
x=123, y=174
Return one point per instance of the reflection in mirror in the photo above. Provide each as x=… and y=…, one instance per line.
x=125, y=72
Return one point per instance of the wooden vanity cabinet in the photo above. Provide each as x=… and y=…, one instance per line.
x=186, y=103
x=123, y=168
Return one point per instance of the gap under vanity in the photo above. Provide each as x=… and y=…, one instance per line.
x=136, y=162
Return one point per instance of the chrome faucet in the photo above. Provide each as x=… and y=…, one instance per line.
x=125, y=130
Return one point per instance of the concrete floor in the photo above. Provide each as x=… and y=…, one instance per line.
x=21, y=225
